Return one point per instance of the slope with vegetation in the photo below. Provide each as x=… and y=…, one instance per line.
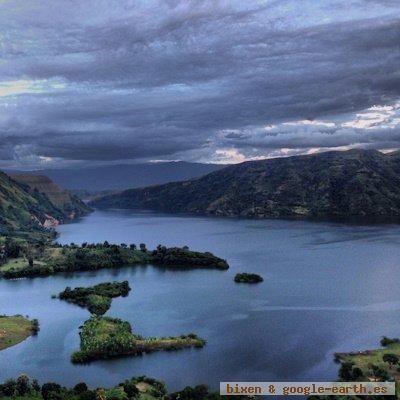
x=332, y=184
x=105, y=337
x=70, y=205
x=22, y=212
x=30, y=206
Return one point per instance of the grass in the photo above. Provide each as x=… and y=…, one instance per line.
x=14, y=330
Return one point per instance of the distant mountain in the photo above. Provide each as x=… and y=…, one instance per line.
x=120, y=177
x=70, y=205
x=351, y=183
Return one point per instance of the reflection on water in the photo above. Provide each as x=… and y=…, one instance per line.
x=327, y=287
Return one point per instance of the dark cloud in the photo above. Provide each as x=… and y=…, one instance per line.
x=161, y=79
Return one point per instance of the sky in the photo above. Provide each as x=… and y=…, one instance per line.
x=114, y=81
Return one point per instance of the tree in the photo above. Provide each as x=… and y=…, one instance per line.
x=132, y=246
x=385, y=341
x=379, y=373
x=49, y=389
x=130, y=389
x=88, y=395
x=30, y=261
x=12, y=248
x=35, y=386
x=142, y=247
x=23, y=386
x=357, y=374
x=40, y=245
x=8, y=387
x=80, y=388
x=346, y=371
x=391, y=359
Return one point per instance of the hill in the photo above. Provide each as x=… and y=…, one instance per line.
x=70, y=205
x=333, y=184
x=28, y=210
x=120, y=177
x=21, y=211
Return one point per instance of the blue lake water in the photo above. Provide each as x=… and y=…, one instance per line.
x=327, y=287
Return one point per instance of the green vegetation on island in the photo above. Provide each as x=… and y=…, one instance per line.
x=97, y=299
x=245, y=277
x=105, y=337
x=22, y=259
x=15, y=329
x=136, y=388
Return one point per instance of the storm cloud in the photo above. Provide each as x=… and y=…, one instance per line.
x=105, y=81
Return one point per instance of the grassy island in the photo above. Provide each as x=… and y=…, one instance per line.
x=21, y=259
x=97, y=299
x=245, y=277
x=105, y=337
x=15, y=329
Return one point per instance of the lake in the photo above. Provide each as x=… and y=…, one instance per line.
x=327, y=287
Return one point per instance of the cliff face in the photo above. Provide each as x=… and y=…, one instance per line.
x=343, y=184
x=70, y=205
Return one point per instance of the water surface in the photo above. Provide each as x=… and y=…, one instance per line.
x=327, y=287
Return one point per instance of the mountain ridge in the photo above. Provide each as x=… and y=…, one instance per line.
x=123, y=176
x=330, y=184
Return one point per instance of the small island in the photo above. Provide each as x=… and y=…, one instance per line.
x=15, y=329
x=97, y=299
x=20, y=259
x=245, y=277
x=105, y=337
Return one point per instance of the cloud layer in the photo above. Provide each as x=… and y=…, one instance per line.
x=103, y=81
